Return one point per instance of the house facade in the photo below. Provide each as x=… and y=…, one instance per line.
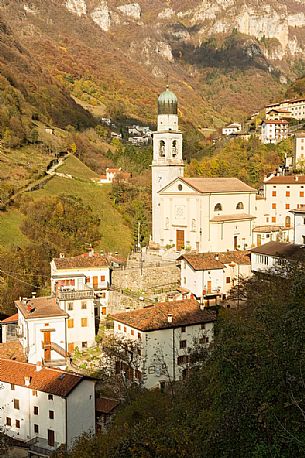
x=209, y=276
x=295, y=107
x=205, y=214
x=231, y=129
x=167, y=333
x=274, y=131
x=45, y=407
x=299, y=225
x=273, y=256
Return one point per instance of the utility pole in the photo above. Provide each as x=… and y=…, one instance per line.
x=140, y=248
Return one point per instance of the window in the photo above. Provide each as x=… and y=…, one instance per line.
x=36, y=429
x=274, y=206
x=8, y=421
x=70, y=306
x=51, y=414
x=287, y=193
x=87, y=279
x=34, y=393
x=125, y=329
x=70, y=323
x=174, y=148
x=132, y=332
x=183, y=359
x=84, y=305
x=240, y=206
x=18, y=424
x=84, y=322
x=103, y=278
x=287, y=206
x=84, y=345
x=104, y=311
x=218, y=207
x=139, y=335
x=35, y=410
x=301, y=193
x=228, y=280
x=273, y=219
x=182, y=343
x=16, y=404
x=162, y=148
x=183, y=328
x=287, y=221
x=273, y=193
x=50, y=397
x=119, y=327
x=179, y=187
x=12, y=386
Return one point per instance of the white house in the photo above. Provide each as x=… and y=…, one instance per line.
x=299, y=225
x=80, y=272
x=212, y=275
x=276, y=114
x=296, y=107
x=111, y=174
x=206, y=214
x=268, y=233
x=44, y=407
x=282, y=194
x=273, y=256
x=9, y=328
x=231, y=129
x=274, y=131
x=167, y=332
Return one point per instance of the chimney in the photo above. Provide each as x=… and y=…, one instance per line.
x=91, y=252
x=38, y=366
x=217, y=257
x=296, y=178
x=33, y=294
x=170, y=318
x=27, y=380
x=61, y=255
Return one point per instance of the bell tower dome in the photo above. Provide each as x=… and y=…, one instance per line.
x=167, y=162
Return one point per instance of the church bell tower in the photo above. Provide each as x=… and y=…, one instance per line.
x=167, y=162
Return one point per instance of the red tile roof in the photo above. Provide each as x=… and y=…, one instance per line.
x=290, y=251
x=40, y=307
x=12, y=350
x=83, y=261
x=235, y=217
x=288, y=179
x=106, y=405
x=153, y=318
x=279, y=121
x=214, y=261
x=53, y=381
x=218, y=185
x=10, y=319
x=266, y=229
x=113, y=170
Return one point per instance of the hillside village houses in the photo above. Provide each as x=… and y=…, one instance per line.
x=164, y=334
x=45, y=407
x=294, y=107
x=231, y=129
x=274, y=131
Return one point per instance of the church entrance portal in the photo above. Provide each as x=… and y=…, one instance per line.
x=179, y=240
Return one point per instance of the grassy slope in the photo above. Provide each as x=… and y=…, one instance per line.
x=116, y=235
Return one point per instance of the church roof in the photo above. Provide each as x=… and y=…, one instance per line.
x=218, y=185
x=167, y=103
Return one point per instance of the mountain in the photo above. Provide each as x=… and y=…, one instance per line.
x=224, y=58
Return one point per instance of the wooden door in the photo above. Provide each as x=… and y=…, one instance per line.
x=47, y=345
x=209, y=286
x=51, y=438
x=179, y=240
x=235, y=242
x=95, y=282
x=259, y=239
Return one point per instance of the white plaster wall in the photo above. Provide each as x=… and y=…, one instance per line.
x=197, y=280
x=81, y=411
x=25, y=414
x=79, y=333
x=79, y=282
x=299, y=228
x=36, y=337
x=281, y=212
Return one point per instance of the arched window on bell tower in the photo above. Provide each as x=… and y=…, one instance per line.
x=162, y=148
x=174, y=148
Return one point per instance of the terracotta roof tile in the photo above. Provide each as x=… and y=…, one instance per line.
x=155, y=317
x=12, y=350
x=282, y=121
x=218, y=185
x=82, y=261
x=213, y=261
x=266, y=229
x=10, y=319
x=106, y=405
x=281, y=249
x=288, y=179
x=39, y=307
x=53, y=381
x=235, y=217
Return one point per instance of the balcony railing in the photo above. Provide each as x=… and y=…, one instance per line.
x=72, y=294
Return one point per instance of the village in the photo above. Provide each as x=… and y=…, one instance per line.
x=157, y=306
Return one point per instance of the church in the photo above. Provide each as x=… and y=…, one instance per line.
x=202, y=214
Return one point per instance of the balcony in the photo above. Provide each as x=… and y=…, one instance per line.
x=70, y=294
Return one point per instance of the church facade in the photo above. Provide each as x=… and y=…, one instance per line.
x=202, y=214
